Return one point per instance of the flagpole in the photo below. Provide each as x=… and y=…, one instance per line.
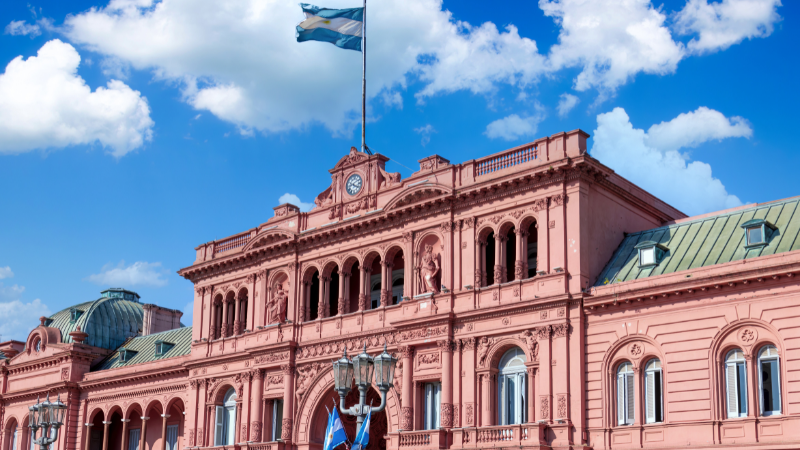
x=364, y=80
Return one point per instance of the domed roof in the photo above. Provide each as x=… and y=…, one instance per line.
x=109, y=321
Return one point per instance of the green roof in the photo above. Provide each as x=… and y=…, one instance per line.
x=145, y=348
x=706, y=241
x=108, y=321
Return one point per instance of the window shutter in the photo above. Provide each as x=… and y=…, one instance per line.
x=278, y=419
x=650, y=396
x=523, y=395
x=437, y=406
x=776, y=385
x=14, y=442
x=733, y=389
x=620, y=400
x=742, y=384
x=219, y=429
x=230, y=426
x=629, y=397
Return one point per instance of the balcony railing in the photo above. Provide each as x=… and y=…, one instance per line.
x=240, y=240
x=499, y=436
x=422, y=439
x=506, y=159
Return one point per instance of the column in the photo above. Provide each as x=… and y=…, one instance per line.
x=457, y=384
x=480, y=267
x=237, y=317
x=521, y=264
x=325, y=292
x=560, y=374
x=143, y=437
x=224, y=326
x=545, y=375
x=363, y=288
x=164, y=418
x=88, y=435
x=406, y=397
x=343, y=278
x=468, y=418
x=256, y=427
x=243, y=429
x=105, y=434
x=124, y=434
x=212, y=330
x=500, y=259
x=202, y=421
x=486, y=399
x=288, y=399
x=446, y=347
x=386, y=282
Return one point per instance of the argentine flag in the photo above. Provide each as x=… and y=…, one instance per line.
x=335, y=435
x=340, y=27
x=362, y=437
x=327, y=431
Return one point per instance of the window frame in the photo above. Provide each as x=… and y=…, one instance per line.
x=432, y=405
x=625, y=397
x=767, y=230
x=775, y=383
x=740, y=378
x=519, y=376
x=658, y=250
x=660, y=399
x=225, y=420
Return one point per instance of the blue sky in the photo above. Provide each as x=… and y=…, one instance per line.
x=142, y=129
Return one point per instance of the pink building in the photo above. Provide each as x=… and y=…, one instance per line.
x=534, y=298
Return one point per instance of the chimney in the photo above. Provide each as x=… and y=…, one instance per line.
x=157, y=319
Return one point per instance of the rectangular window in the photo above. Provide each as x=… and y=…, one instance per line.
x=653, y=397
x=432, y=393
x=736, y=380
x=770, y=388
x=219, y=426
x=647, y=256
x=133, y=439
x=625, y=399
x=277, y=419
x=754, y=236
x=172, y=437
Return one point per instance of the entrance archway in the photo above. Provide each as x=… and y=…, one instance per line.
x=378, y=429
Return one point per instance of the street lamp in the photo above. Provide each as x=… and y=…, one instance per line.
x=48, y=416
x=361, y=368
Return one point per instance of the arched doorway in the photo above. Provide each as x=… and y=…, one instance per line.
x=378, y=427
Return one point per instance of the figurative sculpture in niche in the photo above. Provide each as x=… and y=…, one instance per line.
x=429, y=272
x=276, y=308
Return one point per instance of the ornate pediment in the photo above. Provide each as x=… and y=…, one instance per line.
x=418, y=194
x=351, y=159
x=269, y=237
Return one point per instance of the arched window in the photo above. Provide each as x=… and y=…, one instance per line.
x=769, y=381
x=511, y=387
x=225, y=431
x=15, y=436
x=736, y=383
x=625, y=397
x=37, y=345
x=653, y=393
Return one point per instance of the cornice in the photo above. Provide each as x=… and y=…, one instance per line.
x=138, y=393
x=127, y=378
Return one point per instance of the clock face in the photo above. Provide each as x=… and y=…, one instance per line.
x=354, y=184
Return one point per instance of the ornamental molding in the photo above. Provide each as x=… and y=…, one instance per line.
x=138, y=393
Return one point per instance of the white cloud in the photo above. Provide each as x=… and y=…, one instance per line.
x=222, y=52
x=188, y=314
x=696, y=127
x=20, y=28
x=140, y=273
x=45, y=104
x=665, y=172
x=18, y=318
x=611, y=41
x=426, y=132
x=295, y=200
x=565, y=104
x=514, y=127
x=5, y=272
x=725, y=23
x=115, y=68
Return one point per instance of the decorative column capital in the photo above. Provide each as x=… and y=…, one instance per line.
x=468, y=343
x=543, y=333
x=407, y=351
x=446, y=345
x=258, y=374
x=287, y=369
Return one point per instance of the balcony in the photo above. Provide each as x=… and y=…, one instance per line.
x=529, y=435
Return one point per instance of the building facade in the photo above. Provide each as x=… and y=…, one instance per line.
x=534, y=298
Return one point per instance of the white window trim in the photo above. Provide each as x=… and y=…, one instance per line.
x=225, y=421
x=740, y=367
x=647, y=399
x=776, y=383
x=625, y=396
x=432, y=397
x=519, y=376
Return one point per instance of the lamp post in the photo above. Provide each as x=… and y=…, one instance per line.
x=362, y=368
x=48, y=416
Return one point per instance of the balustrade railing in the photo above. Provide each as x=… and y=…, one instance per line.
x=421, y=439
x=505, y=160
x=500, y=436
x=240, y=240
x=415, y=439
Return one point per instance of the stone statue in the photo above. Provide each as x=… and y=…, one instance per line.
x=276, y=308
x=429, y=271
x=483, y=350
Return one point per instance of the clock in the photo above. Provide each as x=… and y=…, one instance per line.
x=354, y=184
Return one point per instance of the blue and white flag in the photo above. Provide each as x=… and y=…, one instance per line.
x=340, y=27
x=336, y=435
x=362, y=437
x=327, y=431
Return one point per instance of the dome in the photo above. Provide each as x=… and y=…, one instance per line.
x=109, y=321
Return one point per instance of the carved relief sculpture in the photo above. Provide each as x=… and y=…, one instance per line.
x=276, y=307
x=483, y=350
x=429, y=271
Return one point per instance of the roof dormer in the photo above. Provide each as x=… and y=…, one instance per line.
x=650, y=254
x=757, y=232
